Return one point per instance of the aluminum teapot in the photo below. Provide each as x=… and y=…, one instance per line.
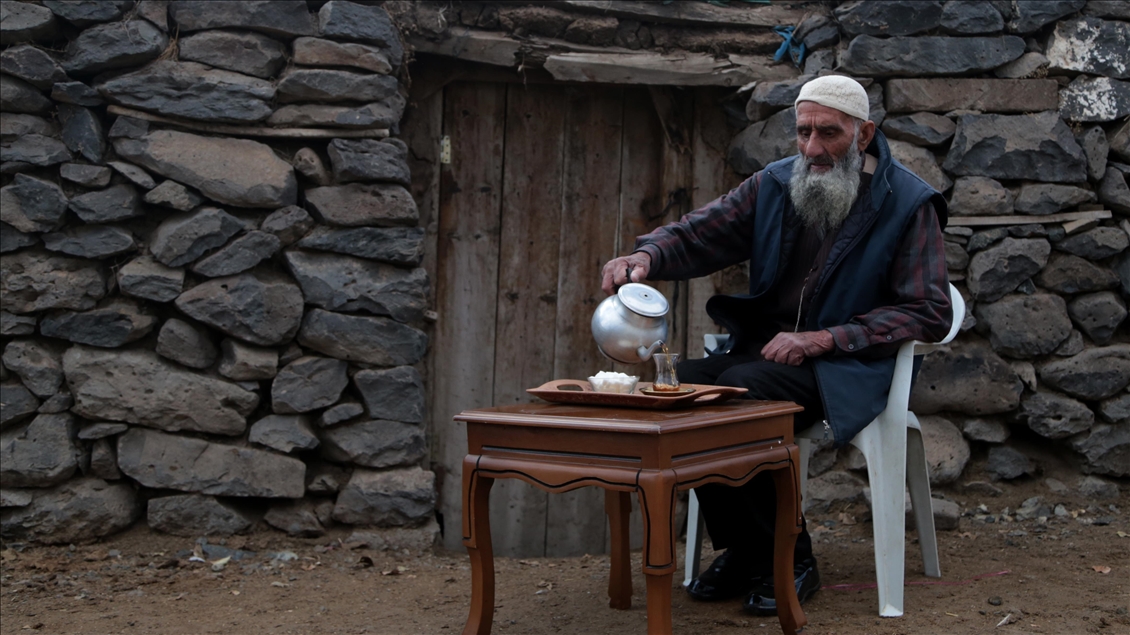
x=630, y=326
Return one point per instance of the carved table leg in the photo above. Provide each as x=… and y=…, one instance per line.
x=619, y=508
x=788, y=526
x=476, y=537
x=657, y=501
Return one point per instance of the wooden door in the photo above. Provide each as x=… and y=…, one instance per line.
x=546, y=183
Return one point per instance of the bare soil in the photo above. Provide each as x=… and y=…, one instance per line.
x=1050, y=576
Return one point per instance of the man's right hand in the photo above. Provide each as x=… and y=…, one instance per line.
x=620, y=271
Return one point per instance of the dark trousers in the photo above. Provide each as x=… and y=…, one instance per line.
x=743, y=518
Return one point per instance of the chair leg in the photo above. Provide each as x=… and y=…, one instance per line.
x=695, y=527
x=886, y=469
x=918, y=480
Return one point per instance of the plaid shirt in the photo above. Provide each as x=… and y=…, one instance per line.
x=720, y=234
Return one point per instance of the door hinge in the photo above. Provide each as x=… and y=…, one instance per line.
x=445, y=150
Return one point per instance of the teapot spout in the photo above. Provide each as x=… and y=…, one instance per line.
x=645, y=353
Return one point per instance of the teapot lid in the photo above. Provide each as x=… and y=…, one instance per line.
x=642, y=299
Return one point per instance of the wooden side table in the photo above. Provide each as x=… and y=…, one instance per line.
x=654, y=453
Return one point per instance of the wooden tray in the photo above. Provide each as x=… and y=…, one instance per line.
x=580, y=392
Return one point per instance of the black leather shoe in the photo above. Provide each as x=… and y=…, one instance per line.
x=730, y=576
x=760, y=600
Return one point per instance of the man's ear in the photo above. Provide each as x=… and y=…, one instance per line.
x=866, y=134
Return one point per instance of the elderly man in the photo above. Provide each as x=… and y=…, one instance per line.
x=846, y=261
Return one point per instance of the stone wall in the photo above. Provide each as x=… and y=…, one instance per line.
x=212, y=309
x=1014, y=109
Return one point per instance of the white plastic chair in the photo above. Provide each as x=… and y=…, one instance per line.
x=892, y=446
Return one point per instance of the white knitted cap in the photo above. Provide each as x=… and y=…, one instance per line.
x=839, y=92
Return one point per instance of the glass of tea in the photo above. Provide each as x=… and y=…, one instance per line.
x=665, y=378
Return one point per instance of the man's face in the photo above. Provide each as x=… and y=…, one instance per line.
x=824, y=135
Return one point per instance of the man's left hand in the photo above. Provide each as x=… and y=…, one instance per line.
x=793, y=348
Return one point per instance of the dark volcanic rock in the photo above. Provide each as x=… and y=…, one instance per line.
x=240, y=255
x=928, y=55
x=345, y=283
x=1071, y=274
x=96, y=431
x=1007, y=463
x=1049, y=198
x=1094, y=374
x=770, y=97
x=34, y=280
x=1055, y=416
x=1038, y=147
x=174, y=195
x=971, y=17
x=308, y=383
x=1114, y=192
x=1098, y=315
x=183, y=238
x=40, y=454
x=1025, y=326
x=327, y=85
x=969, y=377
x=288, y=224
x=186, y=344
x=194, y=91
x=33, y=65
x=889, y=18
x=394, y=393
x=396, y=245
x=922, y=162
x=136, y=386
x=18, y=403
x=12, y=239
x=25, y=22
x=339, y=20
x=309, y=51
x=33, y=149
x=361, y=204
x=371, y=340
x=116, y=203
x=1116, y=9
x=277, y=17
x=1028, y=17
x=297, y=518
x=370, y=160
x=82, y=132
x=167, y=461
x=1106, y=450
x=382, y=114
x=16, y=325
x=1001, y=268
x=83, y=13
x=1097, y=99
x=374, y=443
x=923, y=128
x=247, y=363
x=264, y=309
x=104, y=460
x=1090, y=45
x=14, y=124
x=946, y=94
x=247, y=53
x=108, y=327
x=32, y=205
x=389, y=498
x=1096, y=244
x=90, y=241
x=237, y=172
x=75, y=511
x=284, y=433
x=979, y=196
x=17, y=95
x=136, y=175
x=76, y=93
x=85, y=175
x=116, y=45
x=144, y=277
x=193, y=515
x=764, y=142
x=339, y=413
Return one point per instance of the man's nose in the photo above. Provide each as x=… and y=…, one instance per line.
x=812, y=148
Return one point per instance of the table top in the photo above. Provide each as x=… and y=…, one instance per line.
x=627, y=420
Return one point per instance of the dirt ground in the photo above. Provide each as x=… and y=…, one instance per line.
x=1027, y=577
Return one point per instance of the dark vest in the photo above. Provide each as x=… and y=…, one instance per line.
x=855, y=279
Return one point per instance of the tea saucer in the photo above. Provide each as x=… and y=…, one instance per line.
x=651, y=392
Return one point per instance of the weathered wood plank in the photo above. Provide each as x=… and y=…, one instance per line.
x=253, y=131
x=666, y=69
x=591, y=187
x=467, y=280
x=527, y=289
x=1062, y=217
x=700, y=13
x=473, y=45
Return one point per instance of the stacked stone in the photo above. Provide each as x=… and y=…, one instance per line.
x=1008, y=108
x=195, y=322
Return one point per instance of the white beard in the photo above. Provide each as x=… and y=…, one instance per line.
x=823, y=201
